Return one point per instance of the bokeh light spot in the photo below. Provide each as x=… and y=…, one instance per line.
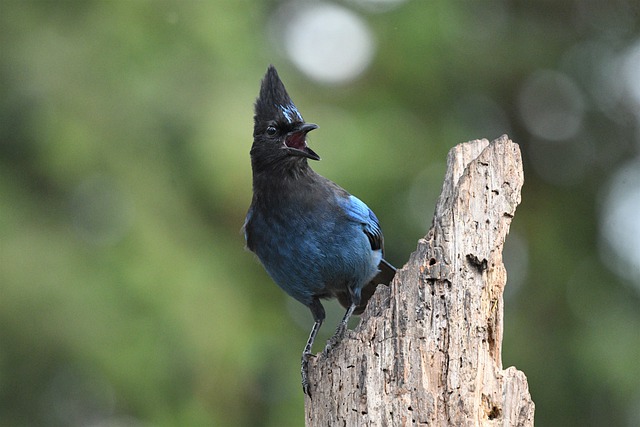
x=327, y=42
x=620, y=222
x=551, y=105
x=597, y=67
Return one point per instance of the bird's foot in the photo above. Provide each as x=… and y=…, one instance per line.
x=304, y=369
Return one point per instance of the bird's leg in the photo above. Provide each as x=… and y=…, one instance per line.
x=318, y=316
x=342, y=328
x=306, y=355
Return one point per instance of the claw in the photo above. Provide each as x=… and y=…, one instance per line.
x=318, y=315
x=304, y=369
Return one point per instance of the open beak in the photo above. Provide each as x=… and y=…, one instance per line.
x=296, y=142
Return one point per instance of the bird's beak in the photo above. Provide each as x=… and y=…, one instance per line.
x=296, y=142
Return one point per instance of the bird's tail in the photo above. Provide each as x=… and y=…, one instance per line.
x=385, y=276
x=387, y=273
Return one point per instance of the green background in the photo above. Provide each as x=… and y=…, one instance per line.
x=126, y=295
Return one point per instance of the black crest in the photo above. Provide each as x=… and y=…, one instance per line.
x=274, y=102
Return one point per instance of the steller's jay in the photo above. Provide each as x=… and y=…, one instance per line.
x=314, y=239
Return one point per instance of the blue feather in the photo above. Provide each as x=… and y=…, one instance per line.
x=358, y=211
x=291, y=113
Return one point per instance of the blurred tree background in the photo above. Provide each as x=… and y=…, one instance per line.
x=126, y=295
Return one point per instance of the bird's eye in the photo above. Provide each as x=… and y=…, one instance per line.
x=271, y=130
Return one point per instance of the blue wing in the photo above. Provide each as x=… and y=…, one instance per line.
x=358, y=211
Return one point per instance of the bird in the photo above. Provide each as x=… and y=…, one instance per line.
x=313, y=238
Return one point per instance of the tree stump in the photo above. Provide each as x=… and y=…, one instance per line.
x=428, y=348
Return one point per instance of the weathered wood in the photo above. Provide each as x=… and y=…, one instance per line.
x=428, y=348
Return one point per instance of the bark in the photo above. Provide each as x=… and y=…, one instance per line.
x=428, y=348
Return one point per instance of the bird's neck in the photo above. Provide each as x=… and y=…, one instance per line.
x=281, y=169
x=282, y=179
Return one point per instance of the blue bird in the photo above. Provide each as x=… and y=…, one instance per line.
x=314, y=239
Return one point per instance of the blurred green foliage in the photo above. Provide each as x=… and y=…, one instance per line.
x=127, y=297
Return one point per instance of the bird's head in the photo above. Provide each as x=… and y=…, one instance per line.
x=279, y=130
